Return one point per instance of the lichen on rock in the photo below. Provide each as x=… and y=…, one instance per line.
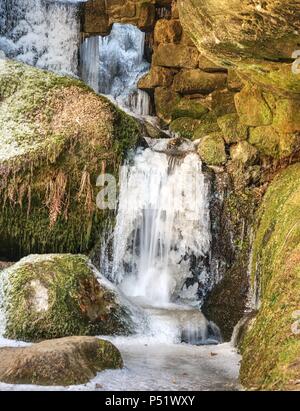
x=60, y=295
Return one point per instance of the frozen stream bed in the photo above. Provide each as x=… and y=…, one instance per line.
x=151, y=366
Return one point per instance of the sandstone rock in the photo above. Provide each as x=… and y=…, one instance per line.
x=243, y=152
x=197, y=81
x=185, y=126
x=234, y=82
x=206, y=65
x=167, y=31
x=175, y=56
x=66, y=361
x=146, y=16
x=271, y=142
x=165, y=101
x=157, y=77
x=256, y=37
x=222, y=102
x=212, y=149
x=56, y=137
x=287, y=116
x=59, y=295
x=208, y=125
x=232, y=129
x=192, y=108
x=252, y=107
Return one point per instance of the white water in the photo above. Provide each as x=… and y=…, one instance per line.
x=162, y=227
x=112, y=65
x=42, y=33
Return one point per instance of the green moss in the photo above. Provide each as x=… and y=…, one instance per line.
x=189, y=108
x=185, y=126
x=212, y=149
x=270, y=349
x=76, y=305
x=207, y=126
x=56, y=137
x=232, y=129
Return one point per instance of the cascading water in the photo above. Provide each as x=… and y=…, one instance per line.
x=162, y=226
x=42, y=33
x=112, y=65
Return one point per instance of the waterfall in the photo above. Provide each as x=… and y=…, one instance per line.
x=162, y=228
x=112, y=65
x=42, y=33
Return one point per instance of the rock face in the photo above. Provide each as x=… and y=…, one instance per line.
x=53, y=296
x=258, y=38
x=66, y=361
x=271, y=348
x=56, y=137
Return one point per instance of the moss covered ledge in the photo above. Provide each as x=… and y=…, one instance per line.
x=56, y=137
x=271, y=348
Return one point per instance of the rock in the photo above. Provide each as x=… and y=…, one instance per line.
x=167, y=31
x=185, y=126
x=59, y=295
x=146, y=16
x=234, y=82
x=212, y=149
x=207, y=125
x=210, y=67
x=56, y=137
x=232, y=129
x=165, y=101
x=192, y=108
x=222, y=102
x=66, y=361
x=257, y=38
x=175, y=56
x=157, y=77
x=287, y=116
x=252, y=107
x=244, y=152
x=197, y=81
x=270, y=142
x=270, y=348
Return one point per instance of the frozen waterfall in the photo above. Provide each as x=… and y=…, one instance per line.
x=42, y=33
x=162, y=228
x=112, y=65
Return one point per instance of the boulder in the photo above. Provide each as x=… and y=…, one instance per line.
x=257, y=38
x=232, y=129
x=252, y=107
x=244, y=152
x=165, y=101
x=207, y=125
x=185, y=126
x=167, y=31
x=56, y=137
x=60, y=295
x=175, y=56
x=271, y=347
x=271, y=142
x=212, y=149
x=197, y=81
x=192, y=108
x=157, y=77
x=65, y=361
x=287, y=115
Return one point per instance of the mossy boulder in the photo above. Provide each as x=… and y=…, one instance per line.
x=271, y=142
x=232, y=129
x=56, y=137
x=257, y=38
x=287, y=116
x=192, y=108
x=212, y=149
x=165, y=101
x=252, y=107
x=65, y=361
x=244, y=153
x=59, y=295
x=207, y=126
x=197, y=81
x=185, y=126
x=271, y=348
